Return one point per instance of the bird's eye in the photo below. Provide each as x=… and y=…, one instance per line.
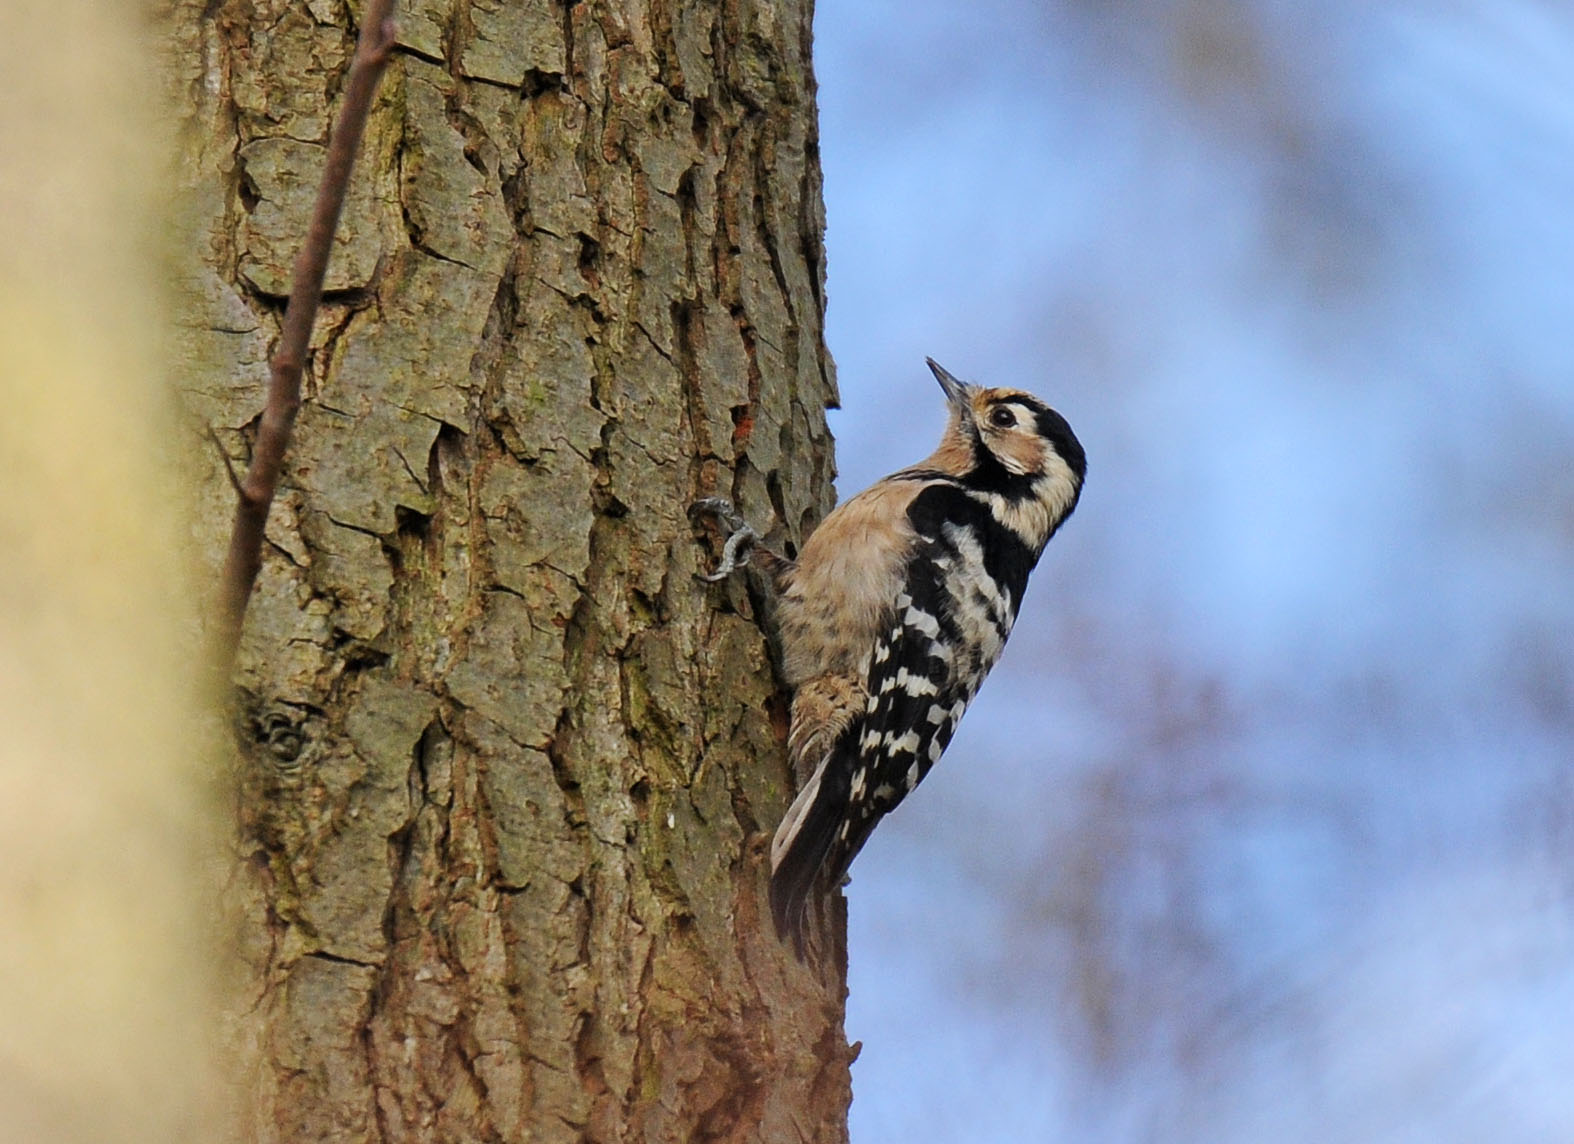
x=1001, y=417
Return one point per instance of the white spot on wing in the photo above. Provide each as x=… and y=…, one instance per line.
x=922, y=621
x=916, y=685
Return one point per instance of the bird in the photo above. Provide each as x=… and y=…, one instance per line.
x=893, y=612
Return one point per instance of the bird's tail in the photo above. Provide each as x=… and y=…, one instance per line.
x=805, y=837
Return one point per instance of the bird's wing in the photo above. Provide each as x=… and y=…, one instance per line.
x=915, y=699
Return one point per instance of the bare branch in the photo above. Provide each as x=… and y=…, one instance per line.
x=255, y=493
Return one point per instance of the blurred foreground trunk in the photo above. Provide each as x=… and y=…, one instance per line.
x=106, y=998
x=508, y=767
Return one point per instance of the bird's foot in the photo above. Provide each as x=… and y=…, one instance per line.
x=741, y=537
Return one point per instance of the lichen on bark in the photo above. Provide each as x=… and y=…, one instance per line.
x=507, y=767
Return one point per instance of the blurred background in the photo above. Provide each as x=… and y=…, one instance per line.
x=1262, y=829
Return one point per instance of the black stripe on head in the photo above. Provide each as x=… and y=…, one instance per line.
x=988, y=475
x=1032, y=404
x=1054, y=428
x=1057, y=431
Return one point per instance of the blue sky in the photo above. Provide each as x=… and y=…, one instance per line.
x=1261, y=830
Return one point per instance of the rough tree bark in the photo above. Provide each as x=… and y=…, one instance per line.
x=507, y=768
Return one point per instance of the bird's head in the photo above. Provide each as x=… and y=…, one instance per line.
x=1007, y=439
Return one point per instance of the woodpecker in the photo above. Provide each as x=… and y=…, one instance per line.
x=894, y=612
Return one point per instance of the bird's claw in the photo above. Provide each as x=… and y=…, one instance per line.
x=742, y=540
x=740, y=535
x=722, y=509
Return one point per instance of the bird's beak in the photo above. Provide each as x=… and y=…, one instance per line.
x=956, y=392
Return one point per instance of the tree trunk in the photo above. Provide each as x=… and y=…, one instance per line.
x=507, y=768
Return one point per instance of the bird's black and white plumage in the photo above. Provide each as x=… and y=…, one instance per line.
x=893, y=614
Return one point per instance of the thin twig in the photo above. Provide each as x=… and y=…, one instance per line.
x=255, y=493
x=229, y=465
